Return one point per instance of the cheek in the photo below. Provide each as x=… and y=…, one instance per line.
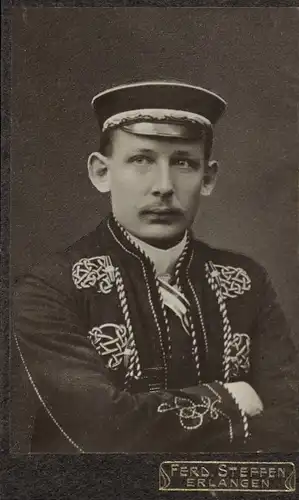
x=129, y=181
x=125, y=190
x=123, y=175
x=188, y=189
x=119, y=181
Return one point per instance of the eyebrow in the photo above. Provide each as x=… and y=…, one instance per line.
x=178, y=152
x=182, y=153
x=144, y=150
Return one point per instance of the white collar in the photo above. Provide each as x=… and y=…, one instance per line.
x=163, y=259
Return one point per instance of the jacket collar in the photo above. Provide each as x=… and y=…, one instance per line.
x=128, y=245
x=164, y=260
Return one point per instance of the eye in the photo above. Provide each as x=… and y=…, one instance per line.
x=141, y=160
x=183, y=163
x=186, y=163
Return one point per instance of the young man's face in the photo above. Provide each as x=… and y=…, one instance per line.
x=155, y=184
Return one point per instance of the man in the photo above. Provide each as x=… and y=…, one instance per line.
x=138, y=337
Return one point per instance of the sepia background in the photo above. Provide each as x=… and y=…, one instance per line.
x=61, y=57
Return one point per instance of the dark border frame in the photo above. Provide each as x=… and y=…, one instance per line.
x=85, y=476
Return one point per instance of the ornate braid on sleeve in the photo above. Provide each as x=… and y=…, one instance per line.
x=202, y=405
x=42, y=400
x=191, y=415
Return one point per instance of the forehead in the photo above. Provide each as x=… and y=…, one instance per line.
x=125, y=142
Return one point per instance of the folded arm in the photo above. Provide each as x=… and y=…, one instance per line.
x=88, y=411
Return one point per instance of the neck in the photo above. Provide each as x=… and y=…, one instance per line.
x=164, y=259
x=162, y=244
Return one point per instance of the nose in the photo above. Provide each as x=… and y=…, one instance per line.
x=162, y=184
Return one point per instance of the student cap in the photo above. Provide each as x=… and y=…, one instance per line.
x=159, y=108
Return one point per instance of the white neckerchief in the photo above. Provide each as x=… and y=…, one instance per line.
x=163, y=259
x=164, y=262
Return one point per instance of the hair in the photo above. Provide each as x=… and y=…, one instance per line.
x=106, y=142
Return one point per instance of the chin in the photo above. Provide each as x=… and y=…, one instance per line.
x=162, y=236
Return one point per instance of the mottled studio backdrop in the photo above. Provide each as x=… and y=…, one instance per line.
x=63, y=56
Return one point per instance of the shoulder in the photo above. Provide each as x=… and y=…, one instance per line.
x=230, y=264
x=55, y=269
x=223, y=256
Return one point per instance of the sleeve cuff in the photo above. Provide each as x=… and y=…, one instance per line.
x=221, y=405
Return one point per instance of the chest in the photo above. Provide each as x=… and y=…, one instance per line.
x=147, y=346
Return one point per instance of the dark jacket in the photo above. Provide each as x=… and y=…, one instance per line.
x=111, y=370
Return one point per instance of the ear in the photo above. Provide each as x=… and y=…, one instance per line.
x=209, y=178
x=98, y=172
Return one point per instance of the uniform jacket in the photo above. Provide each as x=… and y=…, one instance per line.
x=110, y=369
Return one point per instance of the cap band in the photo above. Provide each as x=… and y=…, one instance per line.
x=188, y=130
x=158, y=115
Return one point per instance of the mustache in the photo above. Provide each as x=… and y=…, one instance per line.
x=159, y=208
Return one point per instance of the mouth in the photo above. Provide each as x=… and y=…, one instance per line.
x=161, y=211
